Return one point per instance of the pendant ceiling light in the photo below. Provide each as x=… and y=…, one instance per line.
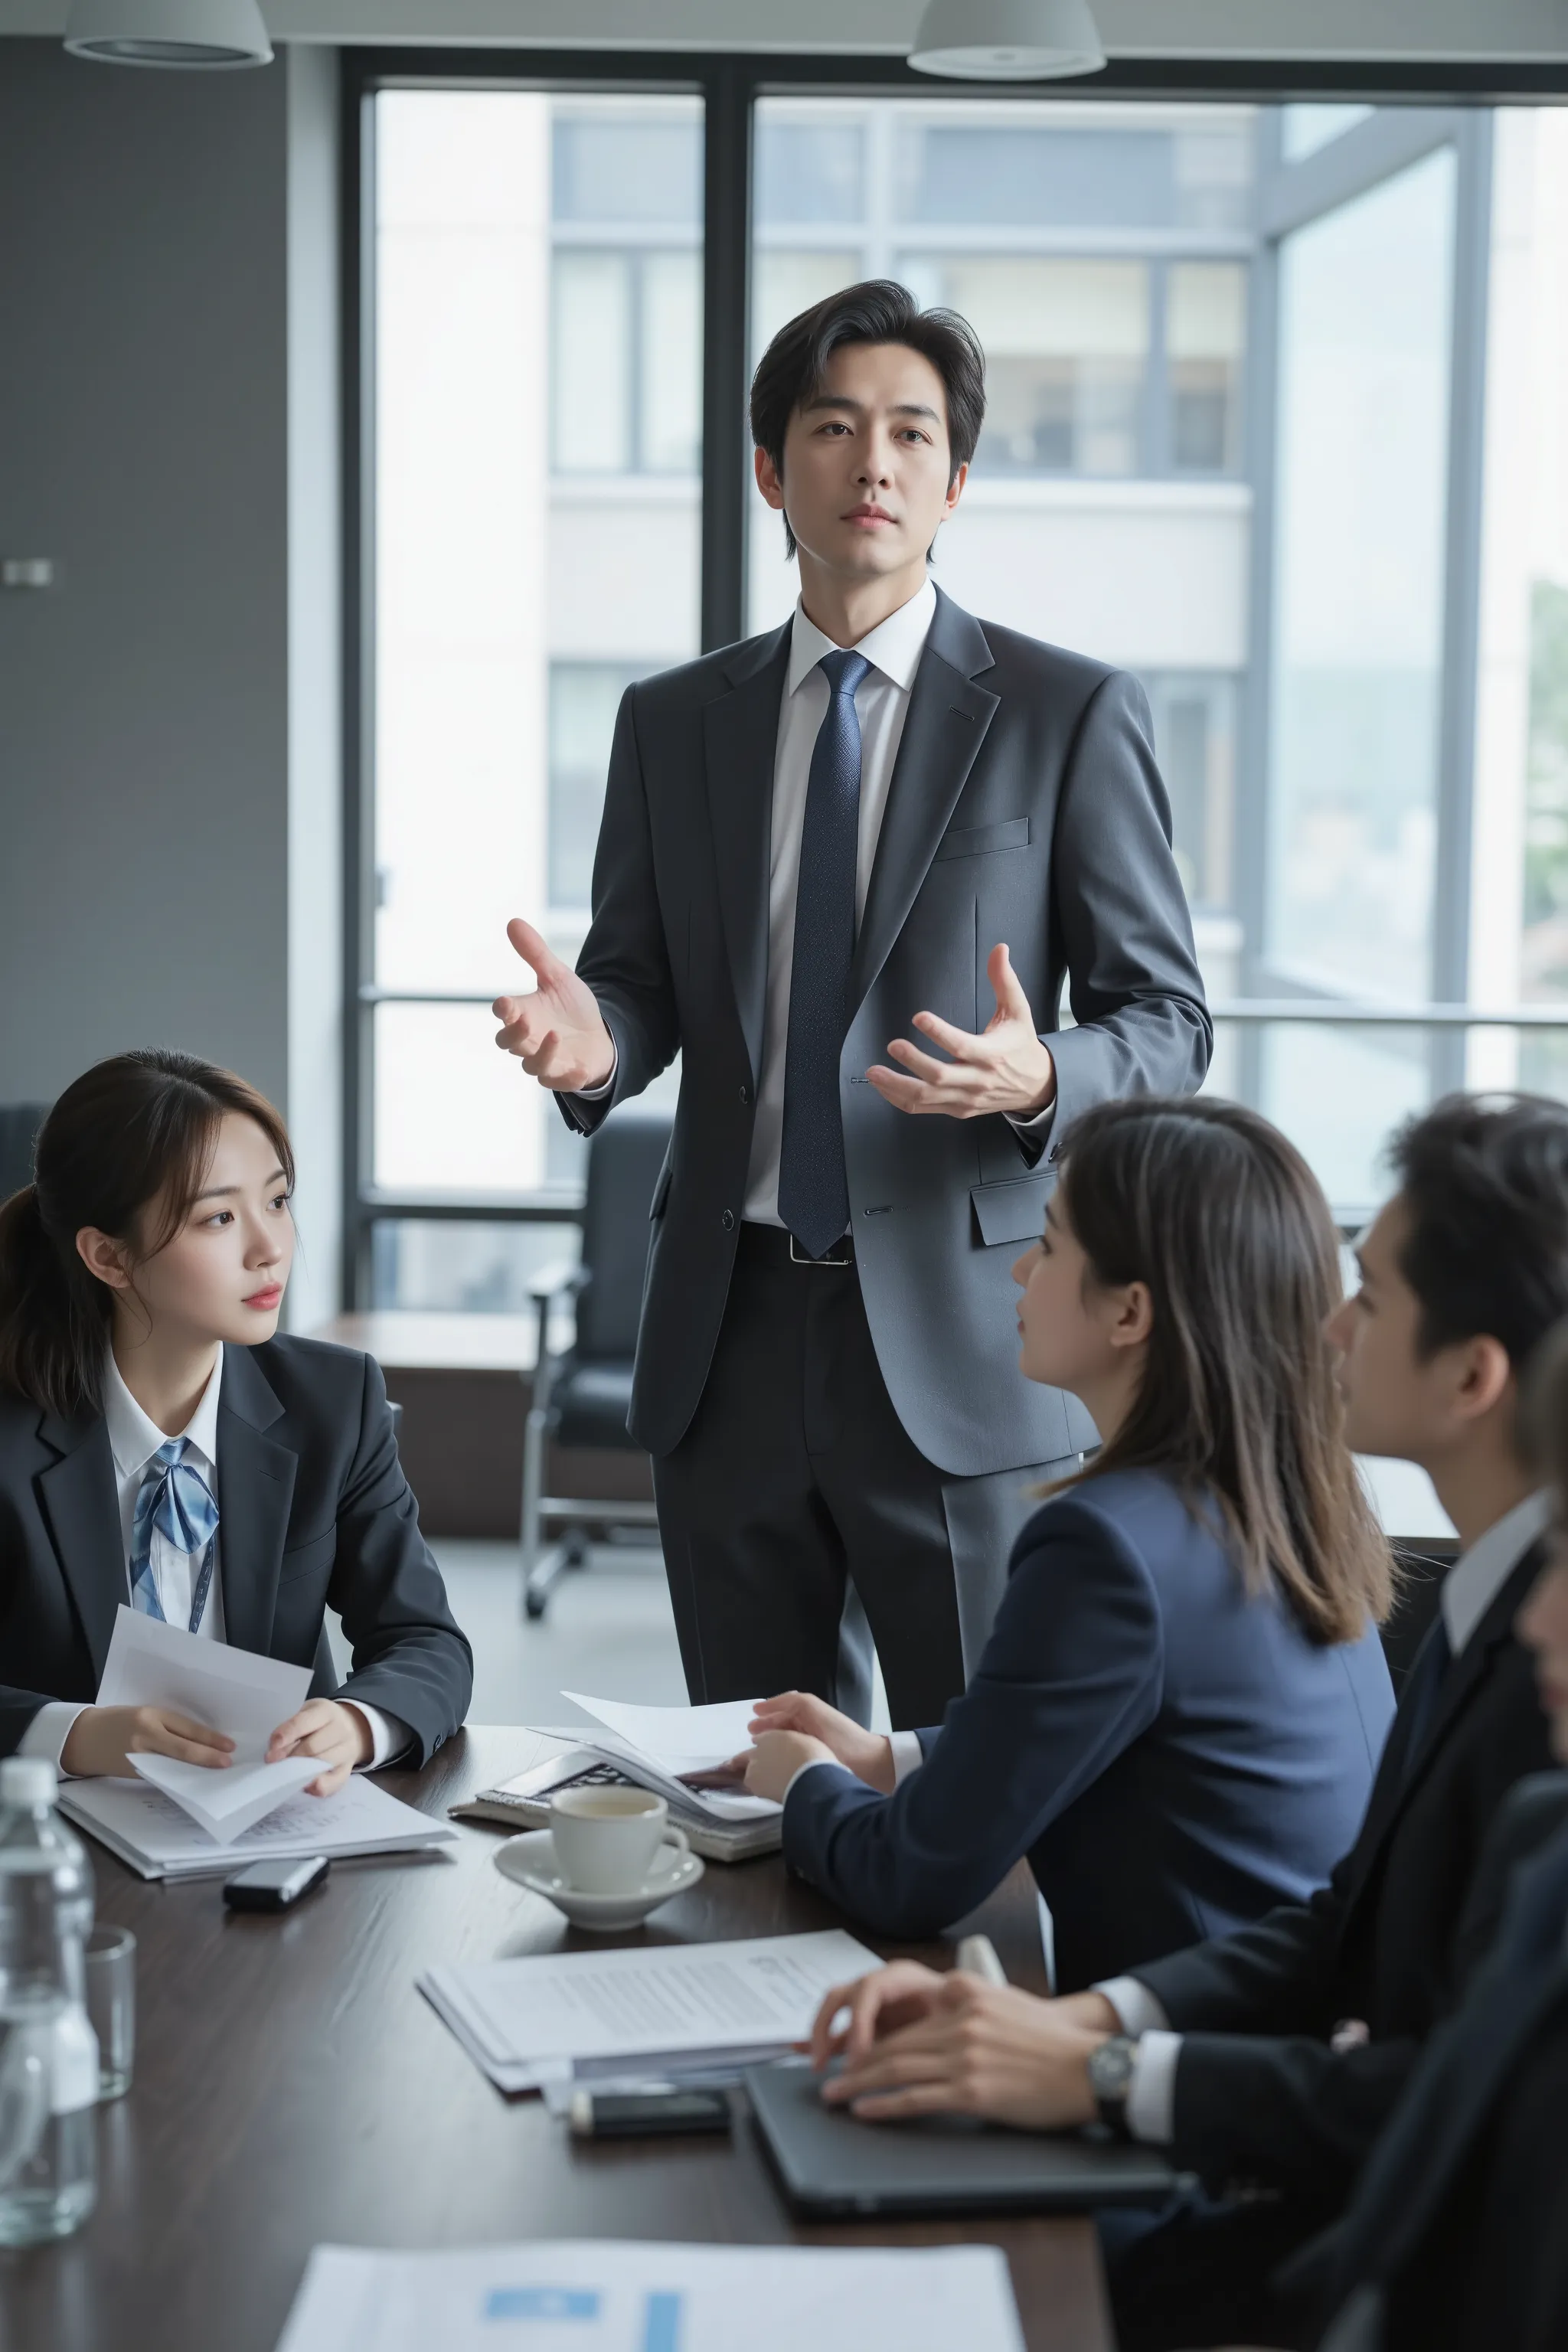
x=1007, y=40
x=180, y=33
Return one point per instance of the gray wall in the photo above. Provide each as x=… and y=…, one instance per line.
x=148, y=740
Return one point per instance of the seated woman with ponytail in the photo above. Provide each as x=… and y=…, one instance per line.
x=163, y=1445
x=1182, y=1701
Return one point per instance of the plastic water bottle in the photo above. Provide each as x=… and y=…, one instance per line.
x=48, y=2052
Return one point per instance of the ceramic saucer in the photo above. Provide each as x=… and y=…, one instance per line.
x=530, y=1861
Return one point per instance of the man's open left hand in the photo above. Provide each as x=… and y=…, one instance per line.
x=1005, y=1068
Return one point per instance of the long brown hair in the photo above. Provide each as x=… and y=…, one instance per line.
x=1221, y=1218
x=131, y=1132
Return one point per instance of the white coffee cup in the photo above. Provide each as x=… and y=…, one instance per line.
x=605, y=1839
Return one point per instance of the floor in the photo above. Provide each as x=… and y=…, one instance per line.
x=608, y=1631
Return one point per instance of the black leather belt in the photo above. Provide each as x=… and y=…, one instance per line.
x=771, y=1245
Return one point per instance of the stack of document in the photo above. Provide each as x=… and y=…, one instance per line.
x=601, y=2296
x=158, y=1840
x=664, y=2013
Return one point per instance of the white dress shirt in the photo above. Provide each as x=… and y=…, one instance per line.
x=1472, y=1584
x=133, y=1440
x=893, y=648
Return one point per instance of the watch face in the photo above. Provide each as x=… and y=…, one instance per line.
x=1111, y=2068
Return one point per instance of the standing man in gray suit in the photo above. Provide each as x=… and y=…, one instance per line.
x=883, y=817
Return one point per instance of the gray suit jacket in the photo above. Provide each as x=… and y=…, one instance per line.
x=1025, y=806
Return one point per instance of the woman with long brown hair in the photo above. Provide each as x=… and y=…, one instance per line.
x=165, y=1449
x=1182, y=1705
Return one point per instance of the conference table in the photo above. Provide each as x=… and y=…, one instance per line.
x=293, y=2088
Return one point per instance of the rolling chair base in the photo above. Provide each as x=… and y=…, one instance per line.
x=569, y=1549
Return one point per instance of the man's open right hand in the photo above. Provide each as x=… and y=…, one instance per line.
x=557, y=1033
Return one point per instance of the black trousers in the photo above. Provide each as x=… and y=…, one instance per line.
x=796, y=1487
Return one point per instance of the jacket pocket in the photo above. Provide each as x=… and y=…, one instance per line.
x=1014, y=1210
x=976, y=840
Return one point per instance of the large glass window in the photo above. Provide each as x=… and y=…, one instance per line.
x=539, y=359
x=1278, y=420
x=1365, y=329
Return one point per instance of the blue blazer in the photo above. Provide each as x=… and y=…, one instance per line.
x=1174, y=1757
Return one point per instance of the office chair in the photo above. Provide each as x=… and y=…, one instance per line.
x=582, y=1395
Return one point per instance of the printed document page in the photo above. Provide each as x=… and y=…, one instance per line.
x=680, y=1738
x=151, y=1664
x=604, y=2297
x=527, y=2019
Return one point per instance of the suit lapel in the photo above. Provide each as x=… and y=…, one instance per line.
x=943, y=728
x=255, y=1490
x=740, y=734
x=1402, y=1775
x=80, y=1499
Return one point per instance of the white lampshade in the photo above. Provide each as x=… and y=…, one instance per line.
x=200, y=33
x=1007, y=40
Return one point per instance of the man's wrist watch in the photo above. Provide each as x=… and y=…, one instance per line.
x=1111, y=2071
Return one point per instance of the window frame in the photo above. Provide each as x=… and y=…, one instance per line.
x=729, y=85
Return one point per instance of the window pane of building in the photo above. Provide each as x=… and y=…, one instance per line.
x=1205, y=339
x=481, y=1268
x=584, y=700
x=1304, y=129
x=592, y=402
x=669, y=363
x=626, y=160
x=809, y=165
x=1076, y=167
x=1066, y=351
x=1357, y=665
x=523, y=311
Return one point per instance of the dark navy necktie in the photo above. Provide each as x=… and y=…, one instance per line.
x=1423, y=1690
x=814, y=1189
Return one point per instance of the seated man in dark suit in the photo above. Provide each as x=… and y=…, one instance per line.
x=1457, y=2240
x=1269, y=2059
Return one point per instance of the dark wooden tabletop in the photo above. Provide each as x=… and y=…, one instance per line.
x=293, y=2087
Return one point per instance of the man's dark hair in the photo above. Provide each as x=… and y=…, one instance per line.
x=879, y=310
x=1484, y=1180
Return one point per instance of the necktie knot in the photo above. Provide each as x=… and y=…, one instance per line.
x=183, y=1511
x=843, y=670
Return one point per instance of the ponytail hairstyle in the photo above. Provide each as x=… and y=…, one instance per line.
x=1221, y=1218
x=133, y=1134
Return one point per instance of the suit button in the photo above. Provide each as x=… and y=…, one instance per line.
x=746, y=1094
x=727, y=1219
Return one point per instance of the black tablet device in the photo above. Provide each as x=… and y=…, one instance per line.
x=829, y=2164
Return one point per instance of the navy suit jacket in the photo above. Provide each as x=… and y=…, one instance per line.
x=314, y=1513
x=1174, y=1757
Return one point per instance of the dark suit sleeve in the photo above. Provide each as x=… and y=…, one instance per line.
x=1136, y=992
x=1280, y=1976
x=624, y=959
x=408, y=1655
x=1270, y=2100
x=1070, y=1677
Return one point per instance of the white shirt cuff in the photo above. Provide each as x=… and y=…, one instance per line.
x=907, y=1754
x=1151, y=2093
x=1137, y=2010
x=818, y=1764
x=48, y=1731
x=1039, y=1125
x=389, y=1733
x=597, y=1094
